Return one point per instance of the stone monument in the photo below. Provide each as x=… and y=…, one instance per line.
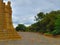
x=7, y=32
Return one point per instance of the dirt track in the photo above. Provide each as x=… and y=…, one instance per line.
x=29, y=38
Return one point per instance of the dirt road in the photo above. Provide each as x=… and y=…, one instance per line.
x=30, y=38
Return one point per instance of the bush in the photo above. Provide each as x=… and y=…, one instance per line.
x=56, y=32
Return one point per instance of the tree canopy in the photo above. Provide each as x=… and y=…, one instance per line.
x=21, y=27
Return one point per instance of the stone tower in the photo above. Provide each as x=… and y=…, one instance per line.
x=6, y=27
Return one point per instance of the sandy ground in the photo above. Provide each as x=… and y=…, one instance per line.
x=30, y=38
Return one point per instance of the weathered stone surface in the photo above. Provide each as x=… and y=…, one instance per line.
x=7, y=32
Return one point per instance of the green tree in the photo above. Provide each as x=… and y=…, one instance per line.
x=39, y=16
x=35, y=27
x=57, y=26
x=46, y=21
x=21, y=27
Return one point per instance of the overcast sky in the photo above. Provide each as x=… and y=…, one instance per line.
x=25, y=10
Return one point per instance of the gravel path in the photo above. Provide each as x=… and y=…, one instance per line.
x=29, y=38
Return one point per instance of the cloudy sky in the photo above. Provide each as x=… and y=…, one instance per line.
x=25, y=10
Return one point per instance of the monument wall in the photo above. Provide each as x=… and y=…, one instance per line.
x=7, y=30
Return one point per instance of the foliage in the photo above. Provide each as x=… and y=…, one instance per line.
x=57, y=26
x=45, y=22
x=21, y=27
x=39, y=16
